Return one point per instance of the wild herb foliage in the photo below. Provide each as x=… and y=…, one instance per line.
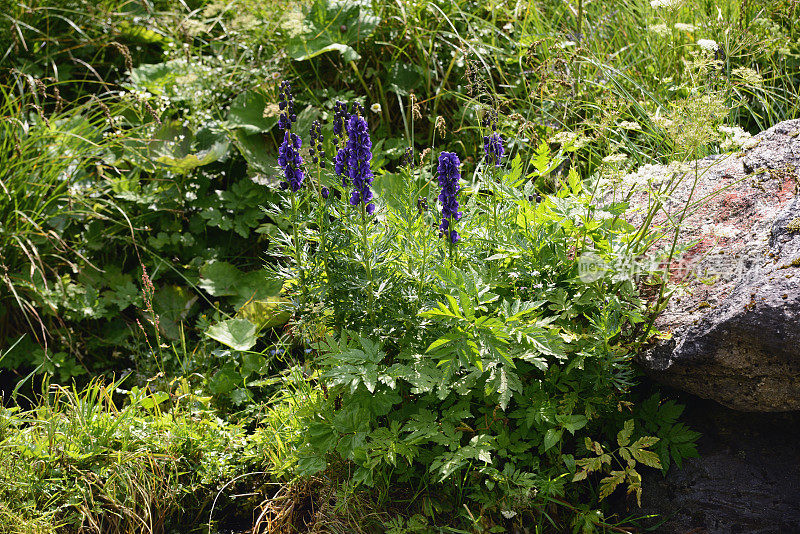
x=189, y=94
x=489, y=359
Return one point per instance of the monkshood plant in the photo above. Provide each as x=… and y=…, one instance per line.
x=452, y=334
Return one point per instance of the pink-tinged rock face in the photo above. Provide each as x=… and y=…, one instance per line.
x=735, y=315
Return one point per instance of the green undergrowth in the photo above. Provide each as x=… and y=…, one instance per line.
x=104, y=459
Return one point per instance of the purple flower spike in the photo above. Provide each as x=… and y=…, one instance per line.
x=358, y=155
x=493, y=147
x=290, y=161
x=286, y=105
x=340, y=166
x=449, y=175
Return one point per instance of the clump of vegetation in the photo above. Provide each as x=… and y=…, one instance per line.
x=366, y=264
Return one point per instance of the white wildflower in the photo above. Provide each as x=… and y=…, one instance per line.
x=508, y=28
x=661, y=30
x=508, y=514
x=630, y=125
x=375, y=108
x=570, y=140
x=271, y=110
x=615, y=158
x=663, y=122
x=748, y=75
x=680, y=26
x=708, y=44
x=735, y=137
x=668, y=4
x=565, y=44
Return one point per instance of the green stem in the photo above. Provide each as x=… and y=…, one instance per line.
x=368, y=264
x=297, y=254
x=451, y=247
x=323, y=244
x=660, y=299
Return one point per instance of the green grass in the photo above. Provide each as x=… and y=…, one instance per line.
x=79, y=460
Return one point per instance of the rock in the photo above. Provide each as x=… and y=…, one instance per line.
x=747, y=479
x=735, y=319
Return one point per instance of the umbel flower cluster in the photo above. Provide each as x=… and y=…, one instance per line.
x=449, y=175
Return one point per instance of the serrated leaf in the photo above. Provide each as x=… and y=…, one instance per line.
x=310, y=465
x=267, y=313
x=371, y=379
x=219, y=278
x=224, y=380
x=573, y=422
x=450, y=337
x=624, y=435
x=644, y=442
x=610, y=483
x=253, y=363
x=646, y=457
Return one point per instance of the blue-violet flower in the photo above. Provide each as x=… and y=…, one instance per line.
x=359, y=154
x=449, y=175
x=315, y=150
x=493, y=147
x=290, y=161
x=286, y=105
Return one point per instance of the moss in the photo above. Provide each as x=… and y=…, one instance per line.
x=794, y=225
x=794, y=263
x=783, y=174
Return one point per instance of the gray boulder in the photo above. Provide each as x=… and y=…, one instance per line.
x=734, y=320
x=746, y=480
